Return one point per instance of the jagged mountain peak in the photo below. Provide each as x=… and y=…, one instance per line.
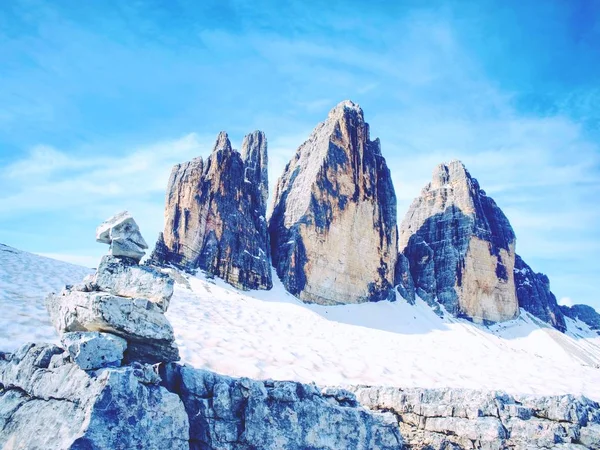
x=222, y=142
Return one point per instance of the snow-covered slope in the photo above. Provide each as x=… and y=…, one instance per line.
x=25, y=280
x=270, y=334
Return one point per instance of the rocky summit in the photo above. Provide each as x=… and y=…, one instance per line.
x=534, y=295
x=460, y=247
x=585, y=314
x=215, y=215
x=333, y=226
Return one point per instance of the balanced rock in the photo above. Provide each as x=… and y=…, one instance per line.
x=123, y=235
x=93, y=350
x=215, y=215
x=584, y=313
x=125, y=278
x=461, y=247
x=48, y=403
x=149, y=335
x=333, y=227
x=534, y=295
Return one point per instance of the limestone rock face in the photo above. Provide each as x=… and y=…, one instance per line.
x=238, y=414
x=93, y=350
x=534, y=295
x=403, y=279
x=49, y=403
x=123, y=234
x=333, y=227
x=121, y=277
x=441, y=419
x=461, y=247
x=585, y=313
x=215, y=215
x=149, y=334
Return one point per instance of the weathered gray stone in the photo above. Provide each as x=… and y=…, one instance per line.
x=123, y=234
x=234, y=414
x=93, y=350
x=215, y=215
x=333, y=227
x=119, y=277
x=142, y=323
x=461, y=248
x=65, y=407
x=439, y=419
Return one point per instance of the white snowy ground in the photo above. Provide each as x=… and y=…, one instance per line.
x=25, y=280
x=271, y=334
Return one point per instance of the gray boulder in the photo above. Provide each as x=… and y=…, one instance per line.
x=48, y=403
x=123, y=235
x=239, y=414
x=141, y=323
x=93, y=350
x=122, y=277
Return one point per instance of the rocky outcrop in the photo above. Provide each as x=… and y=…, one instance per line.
x=215, y=215
x=237, y=414
x=47, y=402
x=440, y=419
x=123, y=299
x=534, y=295
x=461, y=248
x=584, y=313
x=333, y=227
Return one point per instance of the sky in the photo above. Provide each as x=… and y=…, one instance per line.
x=100, y=99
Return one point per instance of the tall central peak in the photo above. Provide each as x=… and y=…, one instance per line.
x=333, y=227
x=222, y=142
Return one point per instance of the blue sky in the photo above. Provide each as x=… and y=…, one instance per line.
x=100, y=99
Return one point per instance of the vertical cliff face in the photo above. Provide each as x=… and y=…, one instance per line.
x=215, y=214
x=534, y=295
x=333, y=227
x=461, y=247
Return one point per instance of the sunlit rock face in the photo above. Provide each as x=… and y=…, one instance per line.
x=461, y=248
x=333, y=226
x=215, y=215
x=534, y=295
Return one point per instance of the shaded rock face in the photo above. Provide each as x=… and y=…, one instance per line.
x=49, y=403
x=237, y=414
x=403, y=279
x=215, y=215
x=333, y=226
x=461, y=248
x=534, y=295
x=442, y=419
x=585, y=313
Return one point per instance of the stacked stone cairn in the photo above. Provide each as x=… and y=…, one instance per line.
x=117, y=315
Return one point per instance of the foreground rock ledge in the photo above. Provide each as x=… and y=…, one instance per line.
x=47, y=402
